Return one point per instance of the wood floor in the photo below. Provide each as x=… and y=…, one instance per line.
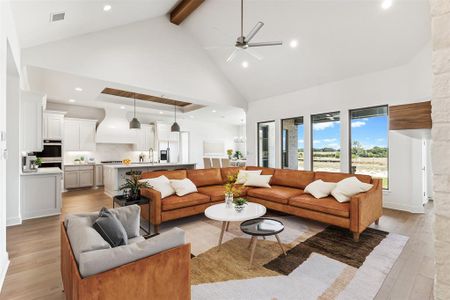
x=33, y=249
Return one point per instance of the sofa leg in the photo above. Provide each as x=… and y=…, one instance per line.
x=377, y=221
x=356, y=236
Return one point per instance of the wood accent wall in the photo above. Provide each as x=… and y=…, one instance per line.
x=410, y=116
x=145, y=97
x=183, y=10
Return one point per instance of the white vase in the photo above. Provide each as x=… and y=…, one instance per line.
x=228, y=200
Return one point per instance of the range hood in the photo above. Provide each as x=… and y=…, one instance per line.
x=114, y=129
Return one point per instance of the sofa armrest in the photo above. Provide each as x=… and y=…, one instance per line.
x=366, y=208
x=155, y=209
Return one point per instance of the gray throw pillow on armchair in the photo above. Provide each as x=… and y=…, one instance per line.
x=110, y=228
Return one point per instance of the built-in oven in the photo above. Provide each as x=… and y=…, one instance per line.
x=52, y=154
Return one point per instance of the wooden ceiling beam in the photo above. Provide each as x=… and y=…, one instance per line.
x=183, y=10
x=145, y=97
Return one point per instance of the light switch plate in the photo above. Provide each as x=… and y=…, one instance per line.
x=3, y=136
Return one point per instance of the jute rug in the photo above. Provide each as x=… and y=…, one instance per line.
x=321, y=262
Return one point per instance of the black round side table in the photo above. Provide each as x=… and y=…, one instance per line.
x=262, y=227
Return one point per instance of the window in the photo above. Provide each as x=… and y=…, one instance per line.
x=326, y=142
x=292, y=146
x=266, y=144
x=369, y=142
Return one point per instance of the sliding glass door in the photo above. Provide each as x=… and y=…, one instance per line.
x=326, y=142
x=266, y=144
x=369, y=142
x=292, y=146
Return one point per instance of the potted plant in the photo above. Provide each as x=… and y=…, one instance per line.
x=231, y=189
x=76, y=161
x=230, y=153
x=38, y=162
x=238, y=154
x=239, y=204
x=133, y=185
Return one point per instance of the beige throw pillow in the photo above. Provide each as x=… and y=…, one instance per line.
x=183, y=186
x=160, y=184
x=349, y=187
x=243, y=174
x=257, y=180
x=320, y=189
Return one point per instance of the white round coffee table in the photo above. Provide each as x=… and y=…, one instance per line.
x=220, y=212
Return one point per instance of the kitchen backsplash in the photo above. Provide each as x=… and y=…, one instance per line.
x=105, y=152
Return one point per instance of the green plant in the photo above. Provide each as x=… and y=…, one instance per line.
x=230, y=186
x=82, y=158
x=38, y=161
x=240, y=201
x=238, y=154
x=133, y=184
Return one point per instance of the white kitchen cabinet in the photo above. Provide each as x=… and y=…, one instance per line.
x=78, y=176
x=145, y=138
x=32, y=108
x=98, y=175
x=79, y=134
x=53, y=125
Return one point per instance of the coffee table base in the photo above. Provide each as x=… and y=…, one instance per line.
x=225, y=227
x=253, y=242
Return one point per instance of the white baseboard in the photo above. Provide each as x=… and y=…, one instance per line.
x=4, y=264
x=13, y=221
x=409, y=208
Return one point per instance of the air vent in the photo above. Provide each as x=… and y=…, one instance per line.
x=55, y=17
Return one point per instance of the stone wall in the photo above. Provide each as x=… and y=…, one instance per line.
x=440, y=10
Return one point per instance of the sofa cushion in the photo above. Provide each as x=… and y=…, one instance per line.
x=160, y=184
x=183, y=187
x=110, y=228
x=174, y=202
x=94, y=262
x=215, y=192
x=205, y=177
x=336, y=177
x=265, y=171
x=327, y=205
x=177, y=174
x=225, y=172
x=280, y=194
x=292, y=178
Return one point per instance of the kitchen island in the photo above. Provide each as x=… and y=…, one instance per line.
x=114, y=175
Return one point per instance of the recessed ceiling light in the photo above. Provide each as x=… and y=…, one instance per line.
x=107, y=7
x=122, y=107
x=293, y=43
x=78, y=89
x=214, y=110
x=386, y=4
x=72, y=100
x=245, y=64
x=161, y=112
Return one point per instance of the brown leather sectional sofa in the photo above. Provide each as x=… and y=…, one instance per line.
x=286, y=195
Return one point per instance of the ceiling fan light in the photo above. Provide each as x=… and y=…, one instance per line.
x=175, y=127
x=135, y=124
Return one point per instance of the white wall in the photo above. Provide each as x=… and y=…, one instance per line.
x=7, y=36
x=154, y=55
x=405, y=84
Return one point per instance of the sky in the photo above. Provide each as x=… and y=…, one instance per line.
x=369, y=132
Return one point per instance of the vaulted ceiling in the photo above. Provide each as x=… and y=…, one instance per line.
x=336, y=39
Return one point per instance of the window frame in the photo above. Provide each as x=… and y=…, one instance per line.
x=350, y=140
x=312, y=135
x=257, y=138
x=281, y=137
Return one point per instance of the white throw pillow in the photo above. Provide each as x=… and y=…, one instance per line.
x=243, y=174
x=257, y=180
x=349, y=187
x=160, y=184
x=320, y=189
x=183, y=186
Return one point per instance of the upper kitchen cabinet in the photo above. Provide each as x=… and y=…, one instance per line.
x=79, y=134
x=32, y=109
x=165, y=134
x=53, y=125
x=145, y=138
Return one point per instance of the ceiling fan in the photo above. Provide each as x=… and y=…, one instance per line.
x=244, y=42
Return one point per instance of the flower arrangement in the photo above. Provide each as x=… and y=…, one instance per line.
x=230, y=186
x=230, y=153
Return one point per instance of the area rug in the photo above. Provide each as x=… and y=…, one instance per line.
x=321, y=263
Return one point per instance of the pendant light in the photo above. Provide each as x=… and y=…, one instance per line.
x=134, y=123
x=175, y=127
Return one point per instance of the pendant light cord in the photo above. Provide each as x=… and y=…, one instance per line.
x=134, y=98
x=242, y=18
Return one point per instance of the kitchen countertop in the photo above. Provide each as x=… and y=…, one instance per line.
x=77, y=165
x=146, y=165
x=43, y=171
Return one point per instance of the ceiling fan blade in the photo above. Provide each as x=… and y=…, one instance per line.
x=232, y=55
x=254, y=31
x=264, y=44
x=253, y=53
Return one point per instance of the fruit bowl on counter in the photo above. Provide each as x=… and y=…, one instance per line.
x=126, y=162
